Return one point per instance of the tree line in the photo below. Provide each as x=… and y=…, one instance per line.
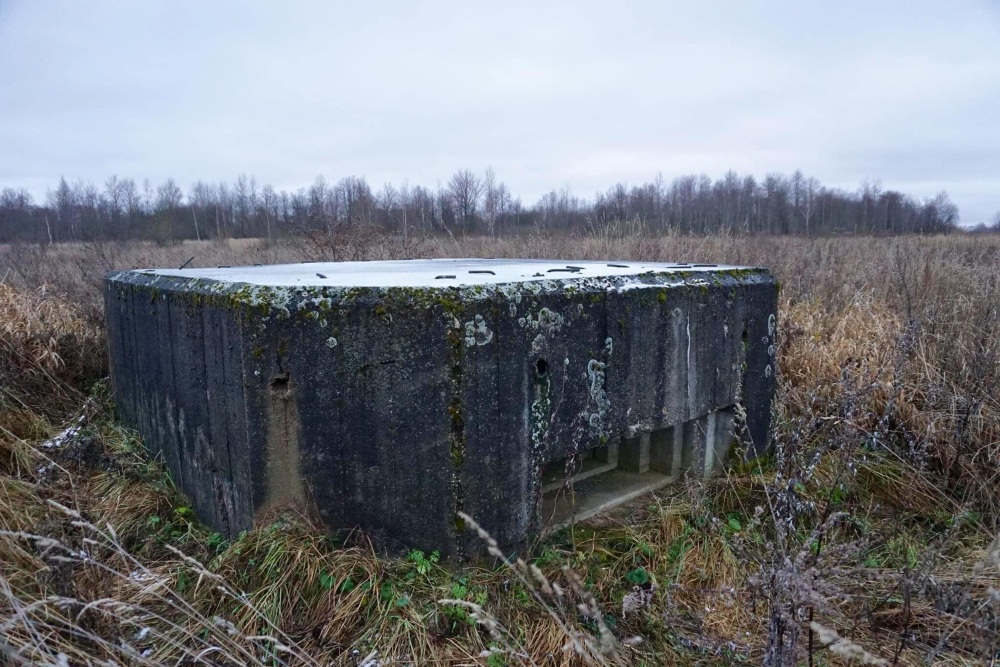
x=469, y=203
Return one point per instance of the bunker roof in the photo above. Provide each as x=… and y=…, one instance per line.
x=430, y=272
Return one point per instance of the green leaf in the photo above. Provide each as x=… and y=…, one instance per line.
x=347, y=585
x=402, y=601
x=734, y=523
x=327, y=580
x=638, y=576
x=215, y=541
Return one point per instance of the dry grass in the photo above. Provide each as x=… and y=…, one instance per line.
x=48, y=352
x=876, y=517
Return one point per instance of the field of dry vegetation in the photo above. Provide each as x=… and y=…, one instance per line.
x=868, y=537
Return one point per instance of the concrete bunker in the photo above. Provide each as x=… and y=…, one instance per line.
x=392, y=395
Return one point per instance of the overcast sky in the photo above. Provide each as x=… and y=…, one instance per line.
x=582, y=94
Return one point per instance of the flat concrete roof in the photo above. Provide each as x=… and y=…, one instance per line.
x=429, y=272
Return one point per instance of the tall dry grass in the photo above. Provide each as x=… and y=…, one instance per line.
x=49, y=353
x=868, y=536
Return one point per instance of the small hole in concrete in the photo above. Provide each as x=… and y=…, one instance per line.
x=541, y=368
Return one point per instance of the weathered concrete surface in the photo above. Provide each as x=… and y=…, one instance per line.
x=391, y=395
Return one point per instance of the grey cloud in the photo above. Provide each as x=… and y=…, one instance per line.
x=552, y=94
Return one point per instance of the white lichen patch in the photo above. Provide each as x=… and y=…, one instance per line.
x=547, y=321
x=331, y=342
x=476, y=332
x=598, y=395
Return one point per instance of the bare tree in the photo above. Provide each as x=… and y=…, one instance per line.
x=269, y=203
x=317, y=206
x=490, y=200
x=423, y=206
x=388, y=200
x=168, y=199
x=405, y=199
x=465, y=189
x=202, y=196
x=148, y=201
x=130, y=199
x=113, y=195
x=503, y=204
x=803, y=191
x=63, y=205
x=244, y=198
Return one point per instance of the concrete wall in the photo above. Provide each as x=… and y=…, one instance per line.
x=391, y=409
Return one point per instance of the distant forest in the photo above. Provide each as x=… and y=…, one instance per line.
x=470, y=203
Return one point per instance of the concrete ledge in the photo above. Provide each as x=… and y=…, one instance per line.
x=643, y=463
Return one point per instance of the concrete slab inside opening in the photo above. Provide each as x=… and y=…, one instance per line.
x=390, y=396
x=581, y=486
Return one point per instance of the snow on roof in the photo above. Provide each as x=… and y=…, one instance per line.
x=427, y=272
